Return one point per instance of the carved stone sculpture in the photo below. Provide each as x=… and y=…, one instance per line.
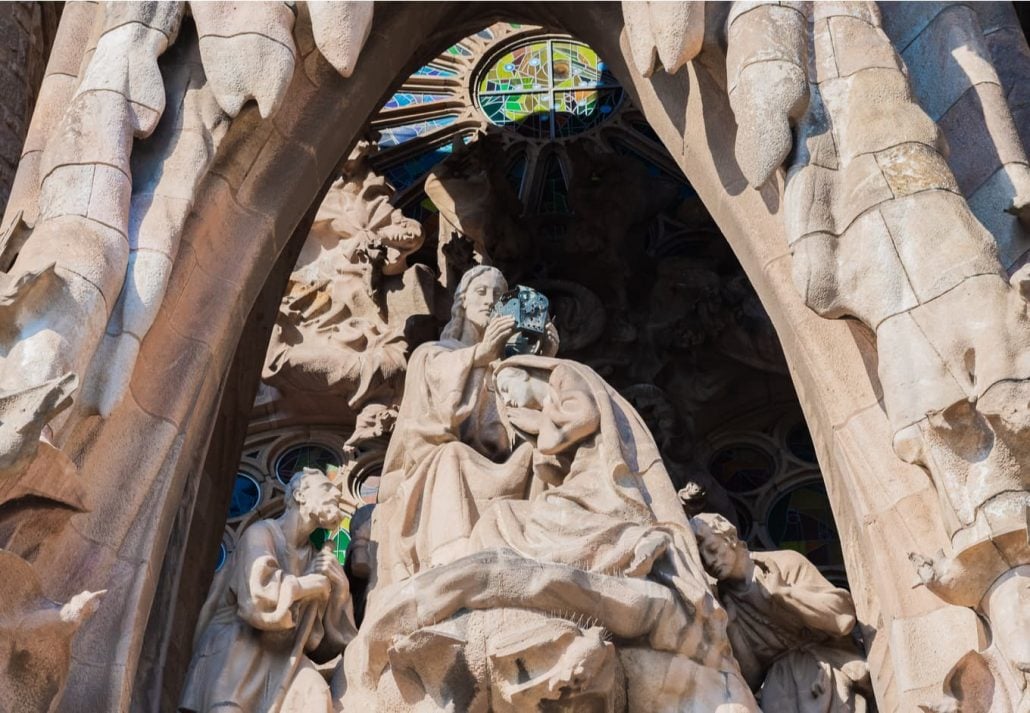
x=887, y=225
x=789, y=627
x=335, y=332
x=278, y=606
x=36, y=634
x=477, y=203
x=519, y=564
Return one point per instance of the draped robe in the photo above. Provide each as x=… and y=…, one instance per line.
x=789, y=642
x=445, y=463
x=242, y=657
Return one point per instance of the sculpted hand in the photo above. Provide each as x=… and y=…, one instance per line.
x=314, y=586
x=325, y=563
x=497, y=333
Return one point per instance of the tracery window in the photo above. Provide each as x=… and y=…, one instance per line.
x=538, y=90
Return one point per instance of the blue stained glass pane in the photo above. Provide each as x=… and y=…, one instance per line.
x=432, y=70
x=405, y=174
x=396, y=135
x=403, y=99
x=246, y=494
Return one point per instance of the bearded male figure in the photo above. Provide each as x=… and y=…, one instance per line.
x=788, y=626
x=278, y=606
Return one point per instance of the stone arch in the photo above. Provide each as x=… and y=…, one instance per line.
x=194, y=368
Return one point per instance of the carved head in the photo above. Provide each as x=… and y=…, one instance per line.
x=518, y=389
x=474, y=301
x=317, y=498
x=724, y=554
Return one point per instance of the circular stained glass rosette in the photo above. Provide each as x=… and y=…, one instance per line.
x=309, y=455
x=801, y=520
x=246, y=494
x=742, y=468
x=548, y=89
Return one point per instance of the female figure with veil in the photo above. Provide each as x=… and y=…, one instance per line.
x=449, y=456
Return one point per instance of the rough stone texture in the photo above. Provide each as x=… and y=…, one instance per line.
x=841, y=372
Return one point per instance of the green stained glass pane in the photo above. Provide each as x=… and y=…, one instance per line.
x=459, y=50
x=548, y=89
x=523, y=68
x=529, y=114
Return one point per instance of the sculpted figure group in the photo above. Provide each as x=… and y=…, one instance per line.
x=529, y=554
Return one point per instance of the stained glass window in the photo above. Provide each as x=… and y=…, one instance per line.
x=396, y=135
x=404, y=99
x=741, y=468
x=435, y=70
x=801, y=520
x=309, y=455
x=246, y=494
x=548, y=89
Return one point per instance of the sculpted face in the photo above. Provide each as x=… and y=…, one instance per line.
x=516, y=389
x=481, y=296
x=723, y=559
x=319, y=499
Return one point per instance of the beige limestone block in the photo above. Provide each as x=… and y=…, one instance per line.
x=947, y=58
x=831, y=272
x=670, y=32
x=914, y=167
x=340, y=30
x=85, y=248
x=939, y=241
x=922, y=657
x=981, y=138
x=110, y=197
x=125, y=61
x=248, y=52
x=917, y=378
x=1011, y=58
x=95, y=128
x=822, y=63
x=858, y=110
x=766, y=65
x=858, y=45
x=824, y=200
x=990, y=204
x=155, y=222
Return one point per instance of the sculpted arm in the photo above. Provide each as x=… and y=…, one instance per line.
x=264, y=591
x=799, y=588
